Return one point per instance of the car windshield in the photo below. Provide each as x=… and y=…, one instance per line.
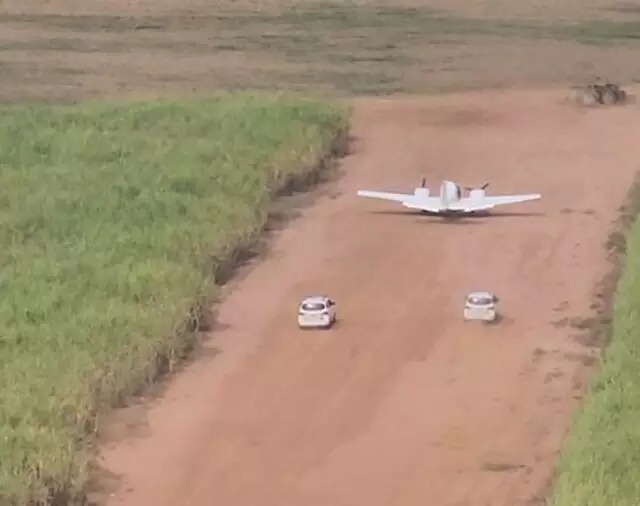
x=313, y=306
x=480, y=300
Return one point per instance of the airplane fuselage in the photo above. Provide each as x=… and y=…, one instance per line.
x=450, y=193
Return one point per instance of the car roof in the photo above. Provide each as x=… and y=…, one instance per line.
x=480, y=294
x=315, y=298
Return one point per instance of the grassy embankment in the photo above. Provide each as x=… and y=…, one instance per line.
x=600, y=463
x=114, y=220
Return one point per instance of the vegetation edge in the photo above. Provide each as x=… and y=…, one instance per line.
x=587, y=457
x=185, y=338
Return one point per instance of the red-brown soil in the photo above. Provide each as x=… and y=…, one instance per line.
x=403, y=403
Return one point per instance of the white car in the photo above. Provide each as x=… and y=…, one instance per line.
x=316, y=311
x=480, y=306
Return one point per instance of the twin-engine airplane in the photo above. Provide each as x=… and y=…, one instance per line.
x=450, y=201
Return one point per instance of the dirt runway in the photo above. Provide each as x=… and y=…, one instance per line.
x=403, y=403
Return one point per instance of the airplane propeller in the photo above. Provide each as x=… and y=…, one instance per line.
x=483, y=187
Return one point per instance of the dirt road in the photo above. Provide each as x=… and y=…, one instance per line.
x=403, y=403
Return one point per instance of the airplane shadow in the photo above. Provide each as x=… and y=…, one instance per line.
x=466, y=219
x=450, y=222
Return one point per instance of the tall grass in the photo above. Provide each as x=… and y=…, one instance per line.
x=112, y=221
x=600, y=464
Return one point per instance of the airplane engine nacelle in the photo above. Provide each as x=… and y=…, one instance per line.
x=476, y=194
x=421, y=192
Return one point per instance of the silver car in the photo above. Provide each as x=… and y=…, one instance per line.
x=480, y=306
x=316, y=311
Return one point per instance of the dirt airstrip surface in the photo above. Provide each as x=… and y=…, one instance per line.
x=403, y=403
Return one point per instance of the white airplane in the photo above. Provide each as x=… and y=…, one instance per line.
x=450, y=201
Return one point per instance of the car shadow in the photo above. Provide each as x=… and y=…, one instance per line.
x=496, y=321
x=334, y=326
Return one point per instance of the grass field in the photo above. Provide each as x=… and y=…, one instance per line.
x=600, y=463
x=114, y=218
x=70, y=50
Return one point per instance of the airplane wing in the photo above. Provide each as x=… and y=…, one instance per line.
x=396, y=197
x=488, y=202
x=431, y=204
x=500, y=200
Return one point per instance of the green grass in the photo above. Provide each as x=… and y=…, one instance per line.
x=600, y=464
x=113, y=220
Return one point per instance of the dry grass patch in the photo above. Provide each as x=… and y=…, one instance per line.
x=354, y=48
